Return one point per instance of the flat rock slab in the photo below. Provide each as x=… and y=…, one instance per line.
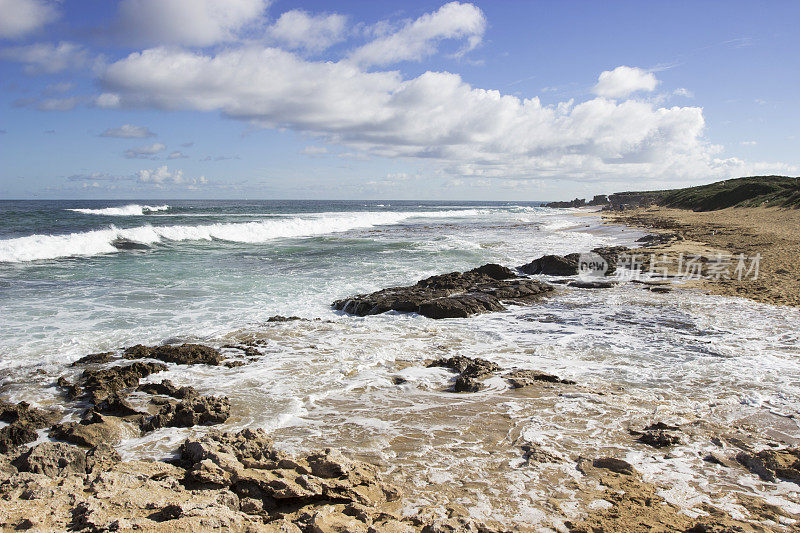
x=453, y=295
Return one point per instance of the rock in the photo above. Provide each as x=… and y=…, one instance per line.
x=467, y=384
x=658, y=438
x=567, y=265
x=104, y=383
x=453, y=295
x=192, y=411
x=771, y=465
x=95, y=358
x=23, y=421
x=329, y=520
x=280, y=318
x=525, y=378
x=53, y=459
x=587, y=284
x=534, y=453
x=94, y=431
x=15, y=435
x=466, y=365
x=469, y=369
x=552, y=265
x=185, y=354
x=167, y=388
x=618, y=466
x=461, y=306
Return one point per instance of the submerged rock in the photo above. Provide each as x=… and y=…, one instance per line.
x=184, y=354
x=453, y=295
x=470, y=371
x=525, y=378
x=192, y=411
x=771, y=465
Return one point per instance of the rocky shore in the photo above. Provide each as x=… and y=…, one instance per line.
x=772, y=233
x=63, y=473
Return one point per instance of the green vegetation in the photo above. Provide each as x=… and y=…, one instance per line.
x=753, y=191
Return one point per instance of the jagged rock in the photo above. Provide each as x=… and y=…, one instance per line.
x=659, y=438
x=95, y=358
x=771, y=465
x=467, y=384
x=185, y=354
x=534, y=453
x=552, y=265
x=53, y=459
x=453, y=295
x=466, y=365
x=192, y=411
x=104, y=383
x=469, y=369
x=15, y=435
x=95, y=430
x=525, y=378
x=167, y=388
x=23, y=421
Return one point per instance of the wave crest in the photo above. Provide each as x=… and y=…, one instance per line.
x=105, y=241
x=130, y=210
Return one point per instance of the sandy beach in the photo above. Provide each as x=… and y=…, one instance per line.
x=771, y=232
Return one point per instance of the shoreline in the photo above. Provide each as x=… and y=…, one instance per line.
x=214, y=487
x=774, y=233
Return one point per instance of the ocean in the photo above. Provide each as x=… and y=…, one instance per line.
x=79, y=277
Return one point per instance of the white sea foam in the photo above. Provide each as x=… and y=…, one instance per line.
x=123, y=211
x=97, y=242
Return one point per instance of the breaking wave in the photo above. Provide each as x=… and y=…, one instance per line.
x=105, y=241
x=130, y=210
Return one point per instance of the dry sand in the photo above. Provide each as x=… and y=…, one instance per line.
x=771, y=232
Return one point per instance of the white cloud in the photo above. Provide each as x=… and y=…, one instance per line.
x=144, y=152
x=177, y=154
x=623, y=81
x=301, y=30
x=686, y=93
x=21, y=17
x=314, y=150
x=128, y=131
x=748, y=143
x=436, y=116
x=188, y=22
x=163, y=176
x=48, y=58
x=419, y=38
x=59, y=104
x=107, y=100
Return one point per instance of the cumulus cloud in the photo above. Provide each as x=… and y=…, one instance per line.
x=144, y=152
x=162, y=176
x=419, y=38
x=21, y=17
x=49, y=58
x=300, y=30
x=188, y=22
x=623, y=81
x=128, y=131
x=435, y=116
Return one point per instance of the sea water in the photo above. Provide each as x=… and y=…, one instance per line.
x=78, y=277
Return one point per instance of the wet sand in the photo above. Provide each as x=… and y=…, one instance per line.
x=771, y=232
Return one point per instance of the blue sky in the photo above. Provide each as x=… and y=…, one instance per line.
x=501, y=100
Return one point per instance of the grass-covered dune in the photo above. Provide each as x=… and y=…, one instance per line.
x=752, y=191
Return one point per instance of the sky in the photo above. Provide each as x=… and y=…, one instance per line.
x=425, y=100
